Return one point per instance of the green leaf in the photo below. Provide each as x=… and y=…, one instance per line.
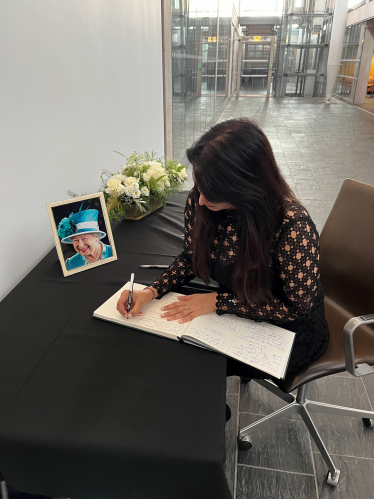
x=159, y=178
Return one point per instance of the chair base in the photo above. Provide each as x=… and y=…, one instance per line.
x=300, y=405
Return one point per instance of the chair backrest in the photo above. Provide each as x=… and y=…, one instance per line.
x=347, y=249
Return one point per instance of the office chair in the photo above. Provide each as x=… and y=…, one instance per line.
x=347, y=275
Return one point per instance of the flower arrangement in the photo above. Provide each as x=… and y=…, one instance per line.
x=66, y=228
x=143, y=178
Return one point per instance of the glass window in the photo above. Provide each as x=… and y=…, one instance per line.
x=346, y=82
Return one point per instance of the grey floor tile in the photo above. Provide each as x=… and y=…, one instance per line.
x=339, y=391
x=304, y=174
x=368, y=382
x=231, y=446
x=356, y=478
x=344, y=374
x=256, y=399
x=255, y=483
x=283, y=445
x=310, y=194
x=342, y=435
x=308, y=184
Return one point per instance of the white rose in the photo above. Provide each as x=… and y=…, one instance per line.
x=153, y=164
x=114, y=187
x=145, y=191
x=146, y=176
x=119, y=177
x=130, y=180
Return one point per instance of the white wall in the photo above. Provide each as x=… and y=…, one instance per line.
x=78, y=79
x=361, y=14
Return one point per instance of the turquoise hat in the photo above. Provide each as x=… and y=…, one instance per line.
x=83, y=222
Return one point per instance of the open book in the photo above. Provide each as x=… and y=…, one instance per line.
x=261, y=345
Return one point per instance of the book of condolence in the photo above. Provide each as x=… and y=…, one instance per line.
x=259, y=344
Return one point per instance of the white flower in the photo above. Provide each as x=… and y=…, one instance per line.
x=119, y=177
x=147, y=176
x=130, y=181
x=114, y=187
x=155, y=170
x=131, y=189
x=136, y=194
x=182, y=175
x=145, y=191
x=167, y=183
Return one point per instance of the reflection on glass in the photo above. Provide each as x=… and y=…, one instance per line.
x=302, y=48
x=255, y=67
x=346, y=82
x=201, y=45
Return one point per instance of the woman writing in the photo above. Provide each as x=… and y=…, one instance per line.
x=245, y=229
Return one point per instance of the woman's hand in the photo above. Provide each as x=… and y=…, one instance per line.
x=138, y=301
x=189, y=307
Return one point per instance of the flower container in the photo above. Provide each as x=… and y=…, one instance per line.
x=134, y=214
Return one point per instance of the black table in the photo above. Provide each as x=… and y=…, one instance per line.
x=90, y=409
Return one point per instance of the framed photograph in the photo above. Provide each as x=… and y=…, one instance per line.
x=82, y=233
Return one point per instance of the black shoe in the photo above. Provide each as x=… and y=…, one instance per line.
x=228, y=413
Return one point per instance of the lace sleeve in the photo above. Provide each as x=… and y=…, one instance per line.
x=297, y=264
x=181, y=270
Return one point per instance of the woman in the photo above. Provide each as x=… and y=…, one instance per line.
x=82, y=230
x=245, y=229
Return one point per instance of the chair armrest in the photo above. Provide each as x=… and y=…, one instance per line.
x=348, y=331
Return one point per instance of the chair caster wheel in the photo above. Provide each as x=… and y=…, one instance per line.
x=368, y=422
x=244, y=443
x=333, y=481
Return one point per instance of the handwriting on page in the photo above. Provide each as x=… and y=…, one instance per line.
x=214, y=331
x=152, y=318
x=262, y=346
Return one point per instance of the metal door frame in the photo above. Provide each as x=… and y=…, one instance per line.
x=264, y=40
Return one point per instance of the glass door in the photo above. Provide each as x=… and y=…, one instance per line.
x=256, y=56
x=255, y=69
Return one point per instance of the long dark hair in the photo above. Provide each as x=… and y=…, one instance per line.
x=233, y=162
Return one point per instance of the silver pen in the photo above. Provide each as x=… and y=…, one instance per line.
x=130, y=293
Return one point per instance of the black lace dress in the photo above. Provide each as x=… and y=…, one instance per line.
x=298, y=294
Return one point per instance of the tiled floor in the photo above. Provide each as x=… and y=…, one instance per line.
x=317, y=147
x=368, y=105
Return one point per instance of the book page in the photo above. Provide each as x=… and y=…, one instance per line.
x=213, y=330
x=151, y=318
x=150, y=321
x=263, y=346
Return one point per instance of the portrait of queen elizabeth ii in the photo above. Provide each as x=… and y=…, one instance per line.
x=85, y=229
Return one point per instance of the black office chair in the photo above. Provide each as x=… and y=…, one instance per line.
x=347, y=274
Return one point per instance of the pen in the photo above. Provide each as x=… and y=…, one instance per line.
x=154, y=266
x=131, y=290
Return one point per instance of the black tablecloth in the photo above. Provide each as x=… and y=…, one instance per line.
x=89, y=409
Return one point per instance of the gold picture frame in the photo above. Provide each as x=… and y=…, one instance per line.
x=82, y=233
